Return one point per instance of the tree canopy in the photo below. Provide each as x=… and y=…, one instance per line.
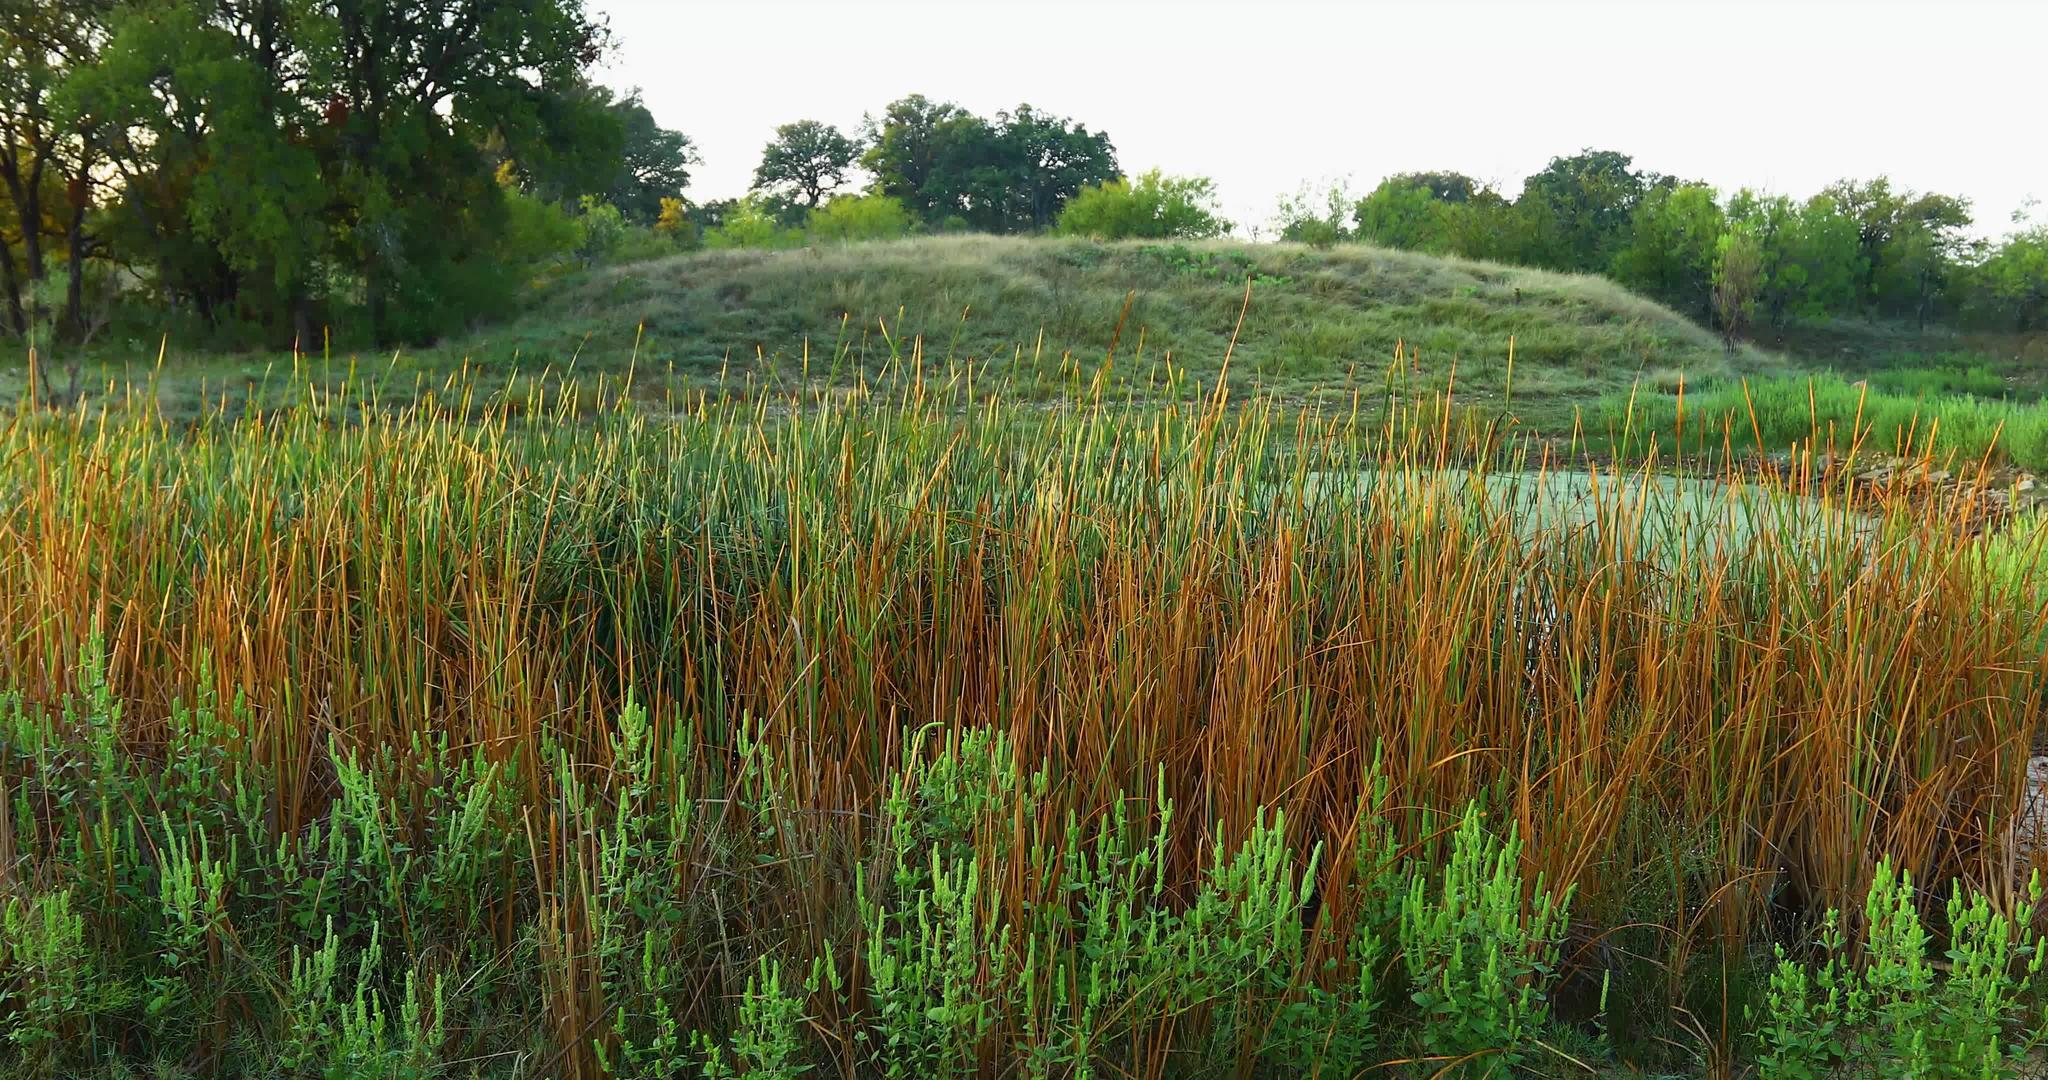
x=270, y=162
x=1011, y=173
x=395, y=170
x=807, y=161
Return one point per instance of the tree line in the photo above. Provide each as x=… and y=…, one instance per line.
x=1748, y=262
x=398, y=170
x=929, y=165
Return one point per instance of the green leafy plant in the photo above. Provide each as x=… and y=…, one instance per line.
x=1480, y=951
x=47, y=982
x=1894, y=1013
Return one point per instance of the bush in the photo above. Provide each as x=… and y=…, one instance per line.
x=1480, y=960
x=539, y=236
x=750, y=224
x=1154, y=207
x=1317, y=218
x=1894, y=1015
x=859, y=217
x=603, y=229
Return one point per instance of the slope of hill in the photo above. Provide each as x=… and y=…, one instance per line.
x=1020, y=308
x=1033, y=315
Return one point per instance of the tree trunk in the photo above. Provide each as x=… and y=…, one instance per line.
x=30, y=200
x=28, y=212
x=74, y=290
x=10, y=284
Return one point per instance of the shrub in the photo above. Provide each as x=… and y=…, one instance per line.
x=859, y=217
x=538, y=235
x=1895, y=1014
x=751, y=224
x=1317, y=218
x=602, y=228
x=48, y=977
x=1154, y=207
x=1480, y=955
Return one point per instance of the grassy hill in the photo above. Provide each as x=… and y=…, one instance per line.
x=1036, y=314
x=1026, y=308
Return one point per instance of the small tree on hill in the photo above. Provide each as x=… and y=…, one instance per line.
x=1317, y=217
x=1738, y=278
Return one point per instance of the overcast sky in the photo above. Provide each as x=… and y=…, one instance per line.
x=1785, y=96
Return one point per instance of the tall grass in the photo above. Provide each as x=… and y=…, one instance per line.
x=790, y=718
x=1901, y=417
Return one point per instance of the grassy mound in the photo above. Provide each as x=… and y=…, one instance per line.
x=1317, y=319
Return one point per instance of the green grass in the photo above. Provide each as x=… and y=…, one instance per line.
x=1954, y=431
x=1314, y=318
x=1882, y=348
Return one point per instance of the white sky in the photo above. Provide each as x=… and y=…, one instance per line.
x=1786, y=96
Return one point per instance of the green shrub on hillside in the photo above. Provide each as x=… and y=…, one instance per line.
x=859, y=217
x=1152, y=207
x=750, y=224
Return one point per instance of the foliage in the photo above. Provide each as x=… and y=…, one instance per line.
x=538, y=235
x=1479, y=954
x=52, y=152
x=859, y=217
x=602, y=228
x=1153, y=207
x=1317, y=217
x=1228, y=267
x=1892, y=1014
x=910, y=152
x=1674, y=245
x=1011, y=173
x=1438, y=212
x=749, y=223
x=2011, y=287
x=584, y=139
x=1856, y=248
x=1811, y=255
x=654, y=164
x=807, y=161
x=1738, y=279
x=1217, y=734
x=1581, y=207
x=1402, y=213
x=282, y=163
